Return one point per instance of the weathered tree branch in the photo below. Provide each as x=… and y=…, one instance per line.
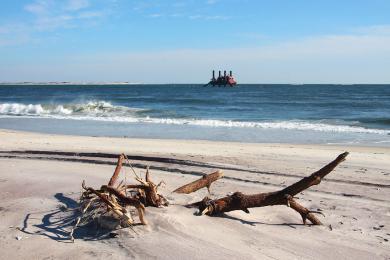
x=305, y=213
x=117, y=170
x=240, y=201
x=127, y=201
x=148, y=192
x=205, y=181
x=116, y=209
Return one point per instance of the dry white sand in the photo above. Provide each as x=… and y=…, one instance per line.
x=354, y=198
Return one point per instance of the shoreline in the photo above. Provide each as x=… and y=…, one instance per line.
x=15, y=134
x=168, y=131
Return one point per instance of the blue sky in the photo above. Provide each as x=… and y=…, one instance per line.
x=163, y=41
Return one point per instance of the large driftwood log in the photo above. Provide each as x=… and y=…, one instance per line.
x=240, y=201
x=205, y=181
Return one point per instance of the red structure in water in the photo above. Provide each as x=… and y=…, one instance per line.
x=222, y=81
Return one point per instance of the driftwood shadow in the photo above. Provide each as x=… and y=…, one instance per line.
x=57, y=224
x=254, y=223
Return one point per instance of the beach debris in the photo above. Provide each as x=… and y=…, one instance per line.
x=205, y=181
x=111, y=205
x=240, y=201
x=147, y=191
x=116, y=203
x=18, y=238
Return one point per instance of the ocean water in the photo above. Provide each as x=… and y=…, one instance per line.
x=353, y=114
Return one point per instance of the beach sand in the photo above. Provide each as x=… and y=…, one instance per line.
x=37, y=191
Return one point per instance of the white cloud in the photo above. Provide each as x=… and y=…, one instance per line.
x=50, y=15
x=324, y=59
x=155, y=15
x=53, y=22
x=375, y=29
x=38, y=7
x=54, y=14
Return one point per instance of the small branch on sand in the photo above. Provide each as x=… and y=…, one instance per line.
x=240, y=201
x=205, y=181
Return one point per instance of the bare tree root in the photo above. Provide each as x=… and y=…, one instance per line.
x=240, y=201
x=116, y=202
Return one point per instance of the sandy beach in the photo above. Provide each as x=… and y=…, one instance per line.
x=194, y=129
x=38, y=191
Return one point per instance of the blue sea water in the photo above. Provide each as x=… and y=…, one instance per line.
x=354, y=114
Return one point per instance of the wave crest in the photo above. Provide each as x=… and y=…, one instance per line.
x=21, y=109
x=105, y=111
x=91, y=108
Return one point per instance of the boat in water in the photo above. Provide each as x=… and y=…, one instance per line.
x=222, y=81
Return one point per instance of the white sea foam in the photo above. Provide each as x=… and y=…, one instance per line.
x=105, y=111
x=20, y=109
x=91, y=108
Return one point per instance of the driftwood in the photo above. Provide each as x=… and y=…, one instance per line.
x=116, y=207
x=118, y=168
x=240, y=201
x=205, y=181
x=114, y=201
x=147, y=191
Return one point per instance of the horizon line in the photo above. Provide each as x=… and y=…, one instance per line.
x=139, y=83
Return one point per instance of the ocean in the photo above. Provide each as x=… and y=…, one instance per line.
x=320, y=114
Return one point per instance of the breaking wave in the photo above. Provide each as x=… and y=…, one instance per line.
x=92, y=108
x=105, y=111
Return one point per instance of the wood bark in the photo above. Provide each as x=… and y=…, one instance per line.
x=128, y=201
x=147, y=191
x=205, y=181
x=118, y=168
x=116, y=209
x=240, y=201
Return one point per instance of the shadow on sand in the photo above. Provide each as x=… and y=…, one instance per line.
x=57, y=224
x=253, y=223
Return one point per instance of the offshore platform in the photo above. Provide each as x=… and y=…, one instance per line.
x=222, y=81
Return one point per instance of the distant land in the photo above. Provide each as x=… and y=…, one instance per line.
x=68, y=83
x=139, y=83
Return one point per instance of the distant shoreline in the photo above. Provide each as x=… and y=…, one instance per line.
x=67, y=83
x=162, y=84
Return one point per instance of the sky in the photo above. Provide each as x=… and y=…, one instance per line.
x=172, y=41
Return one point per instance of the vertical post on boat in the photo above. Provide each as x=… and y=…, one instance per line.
x=231, y=74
